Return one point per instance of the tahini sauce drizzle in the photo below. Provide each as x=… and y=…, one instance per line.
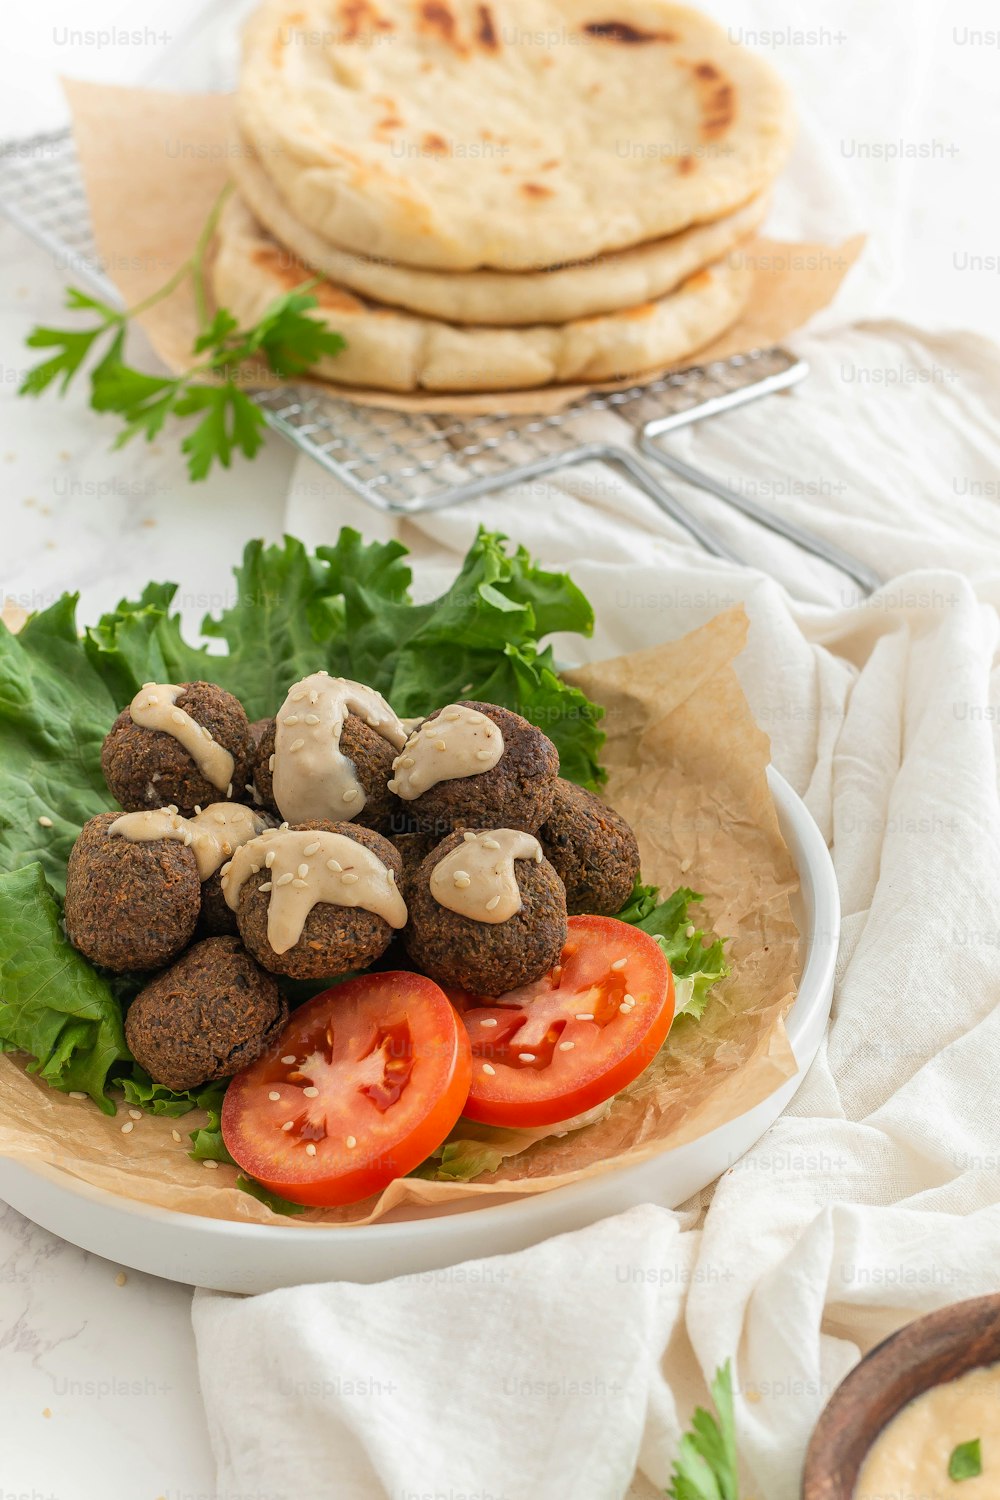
x=307, y=867
x=477, y=879
x=457, y=742
x=311, y=775
x=155, y=707
x=213, y=835
x=910, y=1456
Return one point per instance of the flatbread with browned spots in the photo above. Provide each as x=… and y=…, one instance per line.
x=391, y=350
x=621, y=278
x=458, y=134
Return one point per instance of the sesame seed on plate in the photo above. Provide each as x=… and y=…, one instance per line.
x=211, y=1165
x=78, y=1094
x=128, y=1126
x=176, y=1135
x=135, y=1114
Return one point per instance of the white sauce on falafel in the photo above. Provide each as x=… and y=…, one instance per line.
x=213, y=835
x=155, y=707
x=456, y=743
x=477, y=880
x=311, y=776
x=308, y=866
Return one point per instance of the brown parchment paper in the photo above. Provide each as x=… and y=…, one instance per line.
x=154, y=163
x=687, y=768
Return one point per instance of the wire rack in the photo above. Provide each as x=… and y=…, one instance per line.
x=403, y=462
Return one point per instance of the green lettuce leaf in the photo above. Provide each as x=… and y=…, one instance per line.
x=206, y=1141
x=54, y=713
x=697, y=959
x=472, y=1149
x=53, y=1004
x=348, y=608
x=156, y=1099
x=275, y=1203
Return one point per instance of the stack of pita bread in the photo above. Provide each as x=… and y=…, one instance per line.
x=499, y=195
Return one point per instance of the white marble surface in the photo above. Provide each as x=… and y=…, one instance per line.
x=100, y=1389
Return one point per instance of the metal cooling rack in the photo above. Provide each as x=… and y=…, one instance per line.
x=407, y=463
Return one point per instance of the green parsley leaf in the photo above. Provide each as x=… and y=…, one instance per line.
x=707, y=1465
x=966, y=1461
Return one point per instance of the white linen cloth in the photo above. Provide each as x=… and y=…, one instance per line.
x=877, y=1195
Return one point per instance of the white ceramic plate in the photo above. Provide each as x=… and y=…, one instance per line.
x=260, y=1257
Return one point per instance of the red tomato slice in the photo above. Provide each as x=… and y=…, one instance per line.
x=362, y=1085
x=555, y=1048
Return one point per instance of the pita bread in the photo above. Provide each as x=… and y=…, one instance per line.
x=399, y=351
x=457, y=134
x=619, y=279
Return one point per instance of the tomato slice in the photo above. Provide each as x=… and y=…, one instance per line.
x=558, y=1047
x=362, y=1085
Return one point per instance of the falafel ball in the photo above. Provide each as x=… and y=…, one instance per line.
x=130, y=905
x=370, y=754
x=486, y=958
x=335, y=939
x=593, y=850
x=147, y=768
x=209, y=1015
x=515, y=793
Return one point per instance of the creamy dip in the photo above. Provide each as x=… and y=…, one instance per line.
x=212, y=835
x=477, y=879
x=909, y=1460
x=456, y=743
x=312, y=777
x=308, y=867
x=155, y=707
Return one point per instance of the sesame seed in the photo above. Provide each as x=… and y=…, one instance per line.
x=461, y=875
x=469, y=836
x=135, y=1114
x=298, y=697
x=628, y=999
x=288, y=1125
x=484, y=754
x=351, y=794
x=78, y=1094
x=493, y=903
x=302, y=871
x=488, y=1069
x=624, y=1010
x=312, y=719
x=121, y=1279
x=310, y=1149
x=296, y=744
x=211, y=1165
x=311, y=1093
x=265, y=886
x=177, y=717
x=349, y=878
x=270, y=763
x=335, y=865
x=189, y=840
x=229, y=793
x=566, y=1046
x=291, y=719
x=441, y=745
x=372, y=721
x=474, y=718
x=128, y=1126
x=391, y=876
x=619, y=963
x=269, y=858
x=453, y=716
x=689, y=930
x=284, y=879
x=283, y=827
x=299, y=884
x=491, y=843
x=197, y=810
x=489, y=1021
x=584, y=1016
x=289, y=1059
x=314, y=696
x=407, y=761
x=45, y=822
x=526, y=1056
x=352, y=1141
x=176, y=1135
x=273, y=1094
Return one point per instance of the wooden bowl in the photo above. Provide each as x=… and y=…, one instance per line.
x=939, y=1347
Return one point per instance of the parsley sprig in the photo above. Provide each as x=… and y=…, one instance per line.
x=285, y=338
x=707, y=1466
